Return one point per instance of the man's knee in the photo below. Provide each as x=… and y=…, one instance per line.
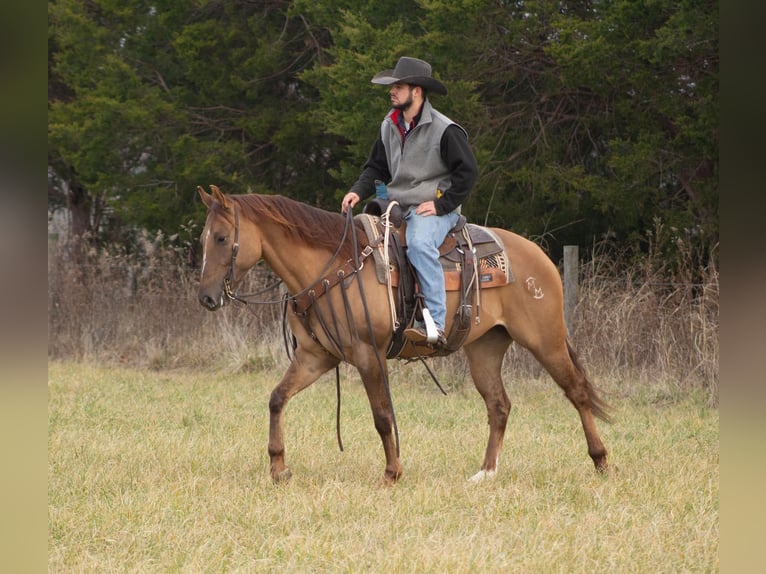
x=419, y=247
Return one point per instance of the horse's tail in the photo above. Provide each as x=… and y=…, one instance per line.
x=598, y=406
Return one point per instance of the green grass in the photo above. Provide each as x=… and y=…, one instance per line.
x=168, y=472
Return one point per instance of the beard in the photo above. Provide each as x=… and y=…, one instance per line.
x=403, y=106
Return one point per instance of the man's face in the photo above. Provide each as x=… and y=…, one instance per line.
x=401, y=96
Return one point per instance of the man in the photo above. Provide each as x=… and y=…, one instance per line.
x=430, y=169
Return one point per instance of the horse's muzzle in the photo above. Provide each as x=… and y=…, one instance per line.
x=209, y=303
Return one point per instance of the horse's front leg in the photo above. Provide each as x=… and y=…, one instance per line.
x=376, y=385
x=303, y=371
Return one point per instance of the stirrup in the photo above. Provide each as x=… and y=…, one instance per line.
x=432, y=332
x=428, y=333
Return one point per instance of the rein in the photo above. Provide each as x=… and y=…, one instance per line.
x=383, y=372
x=246, y=298
x=304, y=300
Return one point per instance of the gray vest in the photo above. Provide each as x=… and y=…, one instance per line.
x=417, y=169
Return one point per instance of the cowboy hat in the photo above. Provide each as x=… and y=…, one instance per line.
x=411, y=71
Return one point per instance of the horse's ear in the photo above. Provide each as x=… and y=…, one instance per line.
x=207, y=199
x=219, y=196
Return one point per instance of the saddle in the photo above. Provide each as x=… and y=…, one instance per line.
x=472, y=258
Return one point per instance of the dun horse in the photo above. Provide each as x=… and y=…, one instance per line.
x=353, y=322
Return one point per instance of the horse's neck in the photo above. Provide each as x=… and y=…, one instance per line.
x=298, y=265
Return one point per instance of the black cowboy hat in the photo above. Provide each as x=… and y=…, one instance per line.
x=411, y=71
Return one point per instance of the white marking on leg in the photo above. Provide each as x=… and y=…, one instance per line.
x=485, y=474
x=482, y=475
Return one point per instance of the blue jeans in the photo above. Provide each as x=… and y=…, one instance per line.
x=425, y=233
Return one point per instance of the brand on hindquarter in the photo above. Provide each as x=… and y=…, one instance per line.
x=534, y=290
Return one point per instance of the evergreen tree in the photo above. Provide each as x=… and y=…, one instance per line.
x=590, y=120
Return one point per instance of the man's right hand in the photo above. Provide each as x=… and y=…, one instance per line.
x=349, y=201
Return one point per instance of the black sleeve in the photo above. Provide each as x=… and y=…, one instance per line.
x=375, y=168
x=457, y=154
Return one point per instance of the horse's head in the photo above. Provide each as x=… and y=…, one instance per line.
x=222, y=264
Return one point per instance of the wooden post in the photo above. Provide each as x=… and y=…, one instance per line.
x=53, y=249
x=571, y=282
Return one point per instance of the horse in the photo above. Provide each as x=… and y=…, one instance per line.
x=303, y=245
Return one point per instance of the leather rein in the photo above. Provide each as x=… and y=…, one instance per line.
x=305, y=299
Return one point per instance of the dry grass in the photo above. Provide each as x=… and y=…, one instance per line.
x=650, y=325
x=168, y=472
x=158, y=426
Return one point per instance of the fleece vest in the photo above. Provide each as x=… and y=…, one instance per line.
x=418, y=172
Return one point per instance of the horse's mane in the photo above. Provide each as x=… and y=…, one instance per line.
x=303, y=222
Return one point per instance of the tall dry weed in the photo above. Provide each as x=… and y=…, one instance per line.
x=638, y=321
x=138, y=306
x=654, y=319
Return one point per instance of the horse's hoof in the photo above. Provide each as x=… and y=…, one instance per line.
x=390, y=479
x=386, y=482
x=482, y=475
x=601, y=464
x=282, y=477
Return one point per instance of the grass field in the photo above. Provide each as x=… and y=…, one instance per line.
x=168, y=472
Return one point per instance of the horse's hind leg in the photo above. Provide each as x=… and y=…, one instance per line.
x=302, y=372
x=564, y=366
x=485, y=360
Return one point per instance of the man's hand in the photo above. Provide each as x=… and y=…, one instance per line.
x=426, y=208
x=349, y=201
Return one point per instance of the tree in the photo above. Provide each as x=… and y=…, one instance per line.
x=590, y=120
x=153, y=99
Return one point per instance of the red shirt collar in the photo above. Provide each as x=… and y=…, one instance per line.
x=398, y=119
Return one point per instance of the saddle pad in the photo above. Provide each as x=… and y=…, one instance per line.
x=372, y=227
x=484, y=241
x=493, y=263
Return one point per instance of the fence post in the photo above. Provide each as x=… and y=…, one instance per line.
x=571, y=282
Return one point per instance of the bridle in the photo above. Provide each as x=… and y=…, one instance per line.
x=314, y=289
x=231, y=276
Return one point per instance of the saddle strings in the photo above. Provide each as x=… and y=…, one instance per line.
x=474, y=283
x=387, y=225
x=381, y=364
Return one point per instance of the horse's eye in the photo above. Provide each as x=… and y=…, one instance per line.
x=221, y=239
